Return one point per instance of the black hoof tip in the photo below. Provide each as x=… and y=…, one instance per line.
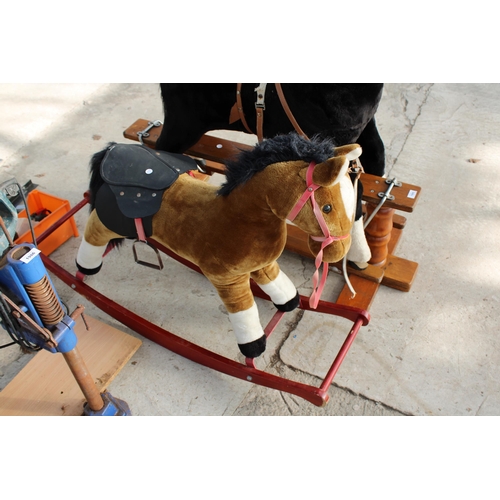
x=88, y=272
x=357, y=266
x=290, y=305
x=253, y=349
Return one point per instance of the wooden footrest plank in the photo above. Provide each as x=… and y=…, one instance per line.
x=398, y=278
x=399, y=273
x=365, y=293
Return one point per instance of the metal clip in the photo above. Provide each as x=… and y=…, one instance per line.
x=356, y=168
x=199, y=163
x=28, y=323
x=145, y=132
x=384, y=196
x=261, y=95
x=387, y=195
x=394, y=182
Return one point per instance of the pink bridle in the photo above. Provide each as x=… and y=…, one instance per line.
x=326, y=239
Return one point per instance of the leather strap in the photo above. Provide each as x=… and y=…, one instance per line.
x=141, y=234
x=288, y=112
x=237, y=110
x=260, y=107
x=326, y=239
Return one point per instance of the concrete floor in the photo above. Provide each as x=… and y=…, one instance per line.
x=431, y=351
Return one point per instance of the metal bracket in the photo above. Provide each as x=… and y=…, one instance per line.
x=384, y=196
x=145, y=132
x=394, y=182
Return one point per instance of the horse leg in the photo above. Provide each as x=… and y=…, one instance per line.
x=275, y=283
x=243, y=314
x=373, y=158
x=359, y=253
x=94, y=242
x=176, y=136
x=192, y=109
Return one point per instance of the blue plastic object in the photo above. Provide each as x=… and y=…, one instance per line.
x=23, y=267
x=113, y=407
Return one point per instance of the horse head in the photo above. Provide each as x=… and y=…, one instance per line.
x=329, y=216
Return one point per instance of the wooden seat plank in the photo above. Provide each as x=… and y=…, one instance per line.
x=217, y=150
x=138, y=126
x=405, y=196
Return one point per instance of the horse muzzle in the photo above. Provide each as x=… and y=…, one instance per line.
x=330, y=248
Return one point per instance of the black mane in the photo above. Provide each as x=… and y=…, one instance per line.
x=289, y=147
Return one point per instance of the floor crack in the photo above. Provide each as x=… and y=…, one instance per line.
x=410, y=124
x=292, y=326
x=286, y=403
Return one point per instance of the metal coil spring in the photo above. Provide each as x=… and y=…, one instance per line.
x=45, y=301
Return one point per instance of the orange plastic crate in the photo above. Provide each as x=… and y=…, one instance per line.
x=37, y=202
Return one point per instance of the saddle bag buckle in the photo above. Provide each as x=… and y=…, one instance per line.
x=158, y=266
x=261, y=96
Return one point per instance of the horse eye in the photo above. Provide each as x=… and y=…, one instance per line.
x=327, y=209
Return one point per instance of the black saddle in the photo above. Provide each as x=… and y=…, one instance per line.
x=138, y=176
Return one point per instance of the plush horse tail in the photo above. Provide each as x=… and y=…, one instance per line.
x=96, y=180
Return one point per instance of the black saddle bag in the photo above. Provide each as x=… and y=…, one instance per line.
x=138, y=176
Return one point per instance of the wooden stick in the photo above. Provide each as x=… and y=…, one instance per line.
x=84, y=379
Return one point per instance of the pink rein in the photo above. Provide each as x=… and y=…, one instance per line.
x=326, y=239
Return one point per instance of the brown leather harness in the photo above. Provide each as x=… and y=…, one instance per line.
x=237, y=112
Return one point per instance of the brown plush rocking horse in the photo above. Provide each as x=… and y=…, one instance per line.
x=234, y=232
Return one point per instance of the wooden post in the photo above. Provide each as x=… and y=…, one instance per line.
x=84, y=379
x=378, y=233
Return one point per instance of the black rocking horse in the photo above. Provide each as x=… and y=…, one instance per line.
x=342, y=112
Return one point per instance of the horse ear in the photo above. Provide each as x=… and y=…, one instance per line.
x=352, y=151
x=333, y=170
